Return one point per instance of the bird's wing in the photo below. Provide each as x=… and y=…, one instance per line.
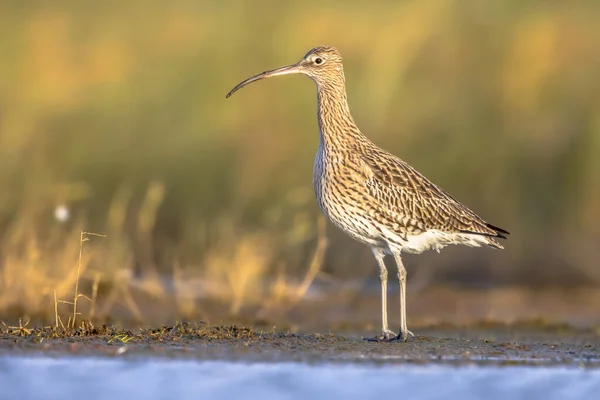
x=415, y=203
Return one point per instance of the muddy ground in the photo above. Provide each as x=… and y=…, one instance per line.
x=457, y=327
x=478, y=345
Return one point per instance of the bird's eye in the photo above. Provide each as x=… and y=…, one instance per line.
x=318, y=61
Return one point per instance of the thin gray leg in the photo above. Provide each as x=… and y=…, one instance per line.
x=386, y=333
x=404, y=332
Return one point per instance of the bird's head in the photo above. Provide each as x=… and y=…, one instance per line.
x=322, y=64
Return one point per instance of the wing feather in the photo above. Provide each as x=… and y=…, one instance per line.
x=421, y=205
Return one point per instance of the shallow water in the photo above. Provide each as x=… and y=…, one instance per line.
x=102, y=378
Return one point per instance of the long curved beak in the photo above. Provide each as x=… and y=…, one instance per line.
x=290, y=69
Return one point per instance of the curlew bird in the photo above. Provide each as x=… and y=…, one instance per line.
x=373, y=196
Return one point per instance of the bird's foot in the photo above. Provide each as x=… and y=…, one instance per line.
x=404, y=335
x=386, y=336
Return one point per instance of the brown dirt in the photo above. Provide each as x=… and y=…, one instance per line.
x=483, y=344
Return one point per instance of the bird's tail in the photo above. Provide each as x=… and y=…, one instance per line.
x=493, y=243
x=491, y=233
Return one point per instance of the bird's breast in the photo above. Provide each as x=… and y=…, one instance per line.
x=319, y=178
x=339, y=196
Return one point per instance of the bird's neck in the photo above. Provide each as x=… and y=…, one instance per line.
x=336, y=124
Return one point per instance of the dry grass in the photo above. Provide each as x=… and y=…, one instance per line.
x=127, y=129
x=282, y=295
x=84, y=237
x=31, y=277
x=235, y=272
x=239, y=271
x=506, y=89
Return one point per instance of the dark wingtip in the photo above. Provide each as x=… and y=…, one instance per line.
x=501, y=232
x=498, y=232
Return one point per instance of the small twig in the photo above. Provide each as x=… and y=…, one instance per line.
x=61, y=323
x=124, y=338
x=84, y=296
x=22, y=330
x=83, y=238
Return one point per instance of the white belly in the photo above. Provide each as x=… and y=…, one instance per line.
x=435, y=240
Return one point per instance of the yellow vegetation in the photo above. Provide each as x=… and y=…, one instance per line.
x=114, y=116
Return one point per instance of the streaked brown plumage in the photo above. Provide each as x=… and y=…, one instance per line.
x=370, y=194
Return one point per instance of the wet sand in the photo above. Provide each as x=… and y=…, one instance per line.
x=477, y=345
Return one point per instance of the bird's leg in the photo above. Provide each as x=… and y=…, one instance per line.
x=386, y=333
x=404, y=332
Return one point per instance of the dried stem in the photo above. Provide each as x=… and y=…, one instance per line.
x=83, y=238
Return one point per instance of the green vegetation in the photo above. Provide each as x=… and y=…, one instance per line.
x=117, y=112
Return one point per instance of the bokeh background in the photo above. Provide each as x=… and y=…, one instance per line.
x=113, y=120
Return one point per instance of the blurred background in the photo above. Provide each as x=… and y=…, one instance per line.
x=113, y=120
